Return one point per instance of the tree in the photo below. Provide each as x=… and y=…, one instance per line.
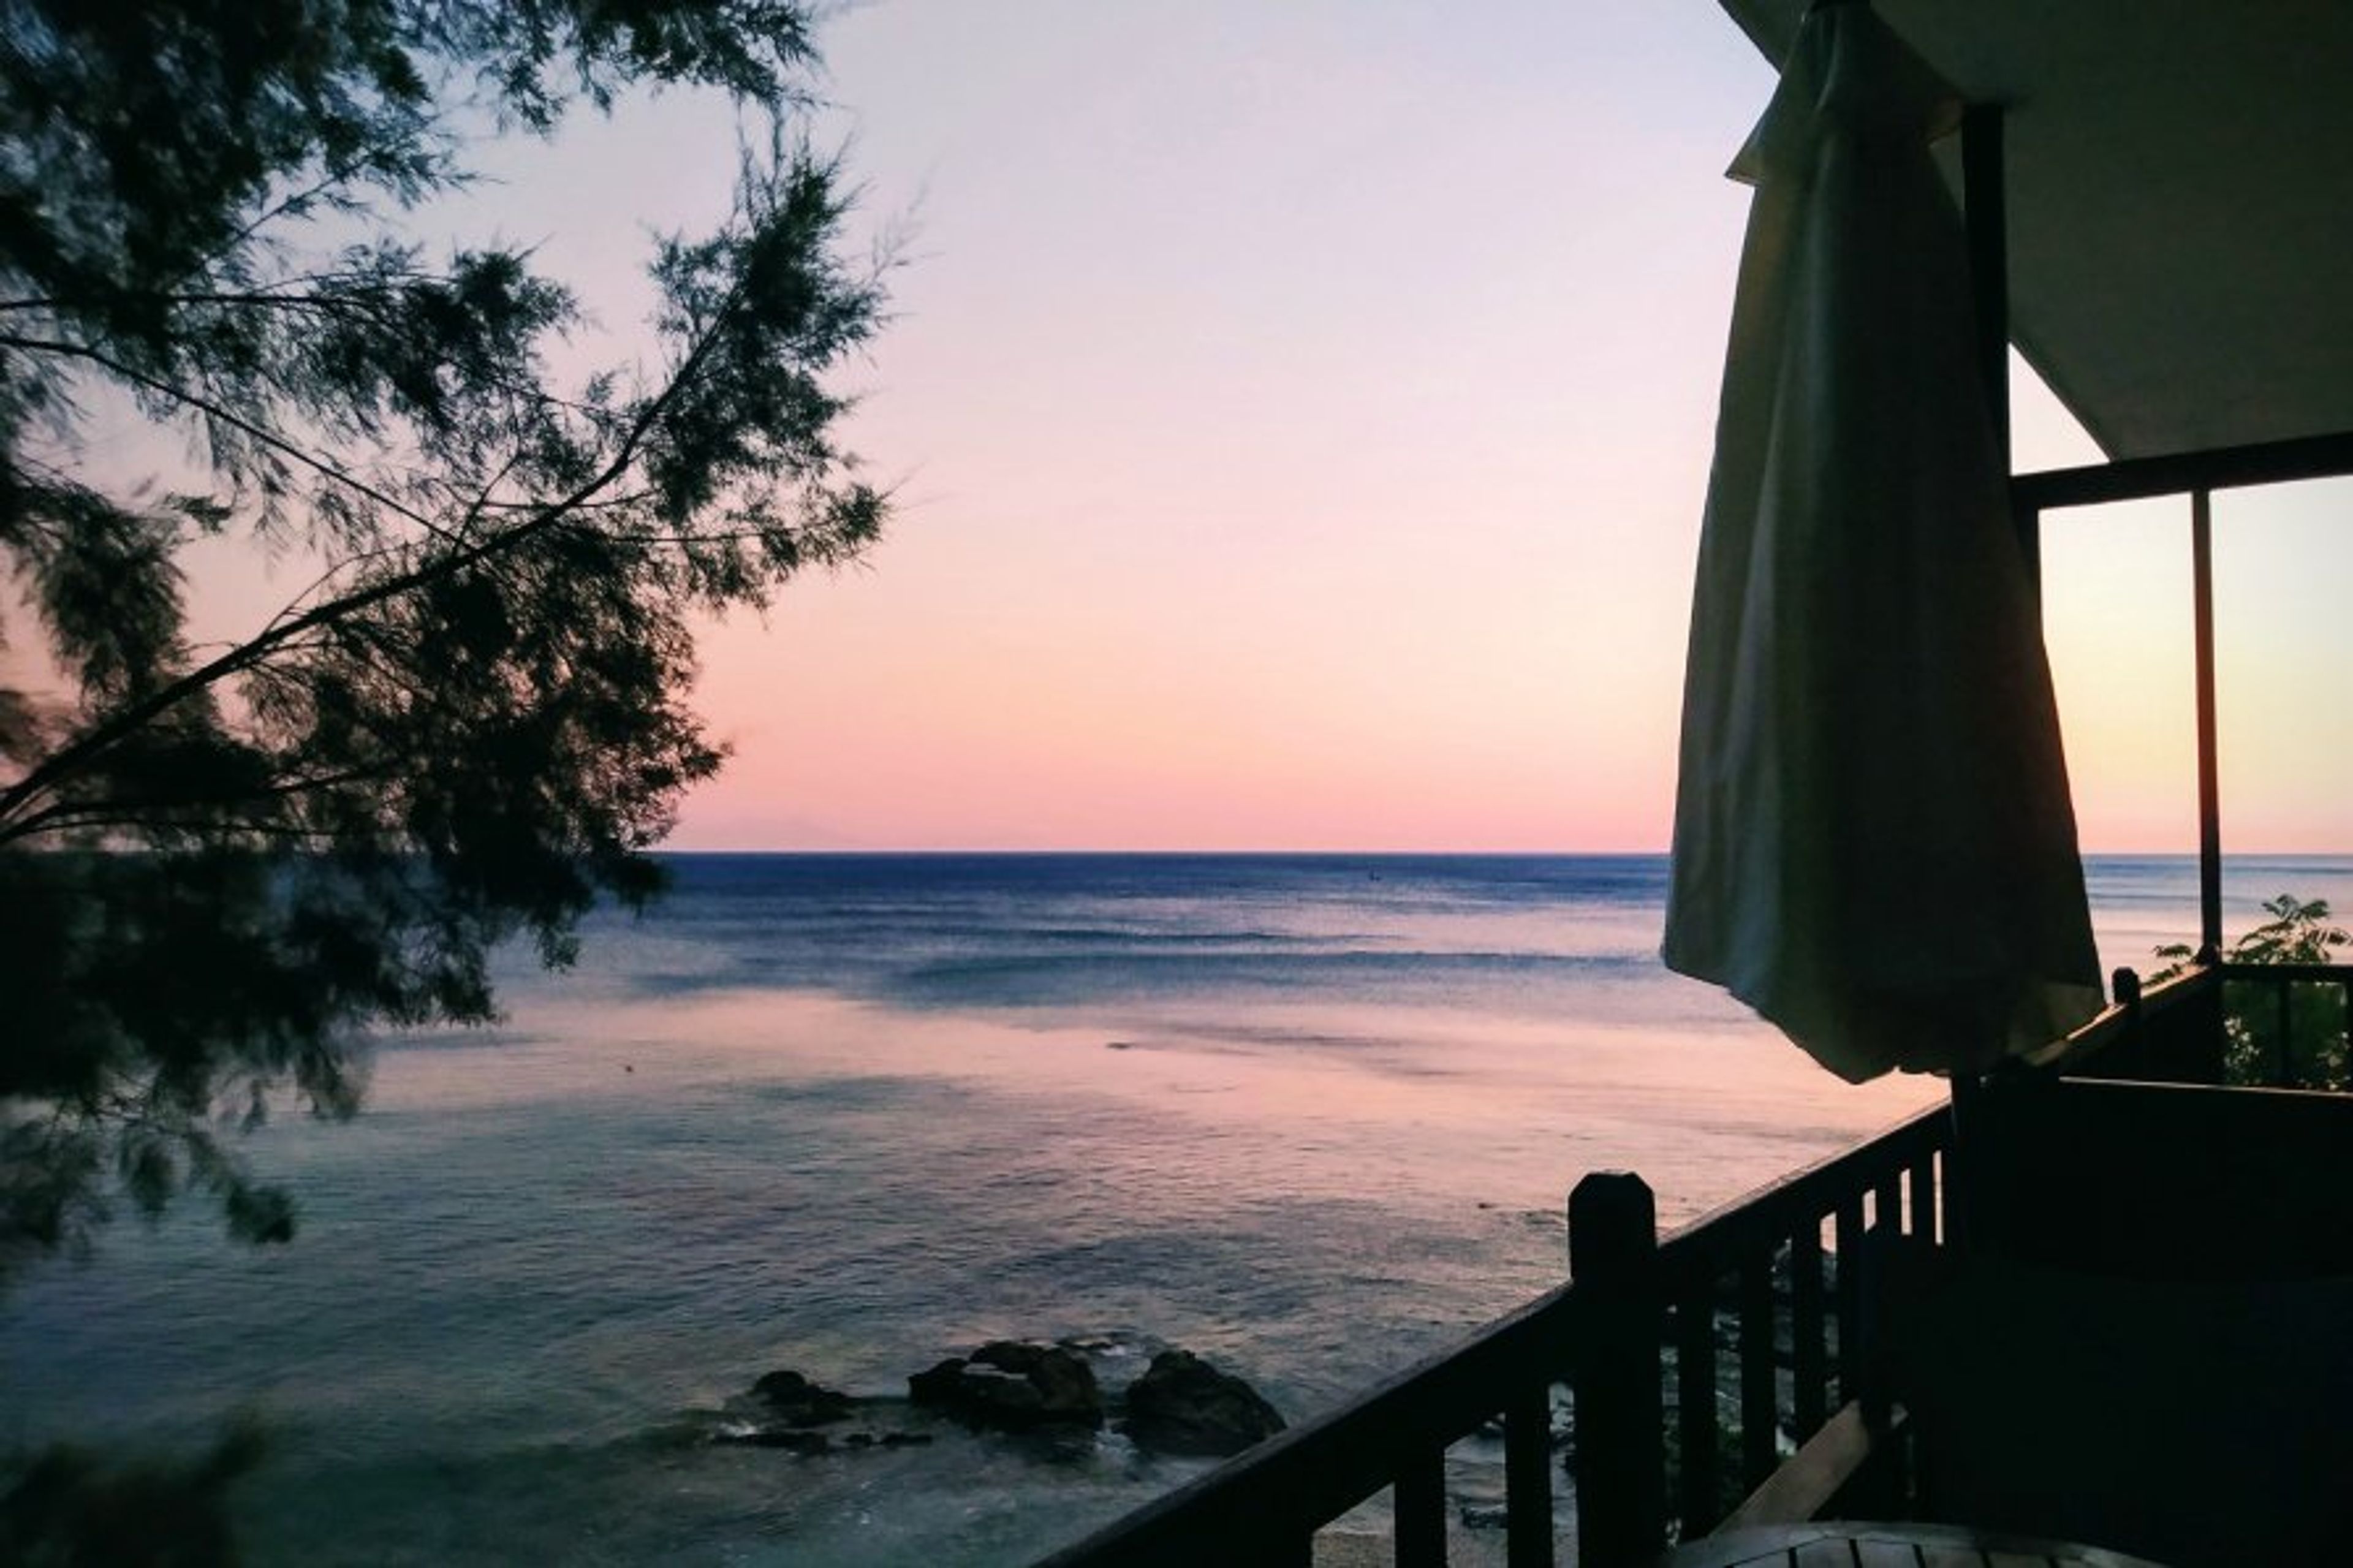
x=221, y=866
x=2296, y=1032
x=66, y=1505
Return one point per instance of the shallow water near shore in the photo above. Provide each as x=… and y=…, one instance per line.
x=1310, y=1117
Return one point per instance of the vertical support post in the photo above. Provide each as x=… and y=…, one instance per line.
x=2209, y=1028
x=1887, y=1202
x=1957, y=1193
x=1847, y=1233
x=1985, y=210
x=1760, y=1421
x=1527, y=1478
x=2346, y=991
x=2210, y=810
x=1808, y=1333
x=1698, y=1430
x=1883, y=1248
x=2132, y=1056
x=1613, y=1243
x=1920, y=1177
x=2028, y=522
x=2288, y=1076
x=1983, y=205
x=1419, y=1496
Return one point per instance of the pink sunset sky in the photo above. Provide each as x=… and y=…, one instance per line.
x=1300, y=416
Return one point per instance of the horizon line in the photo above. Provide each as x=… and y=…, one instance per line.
x=842, y=850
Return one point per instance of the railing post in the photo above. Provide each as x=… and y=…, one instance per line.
x=1420, y=1497
x=1759, y=1381
x=1957, y=1194
x=1698, y=1428
x=2124, y=984
x=1809, y=1331
x=1883, y=1253
x=2133, y=1055
x=2288, y=1076
x=1613, y=1243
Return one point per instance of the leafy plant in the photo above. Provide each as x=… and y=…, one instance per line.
x=2283, y=1033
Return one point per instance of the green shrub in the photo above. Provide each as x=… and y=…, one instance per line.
x=2290, y=1034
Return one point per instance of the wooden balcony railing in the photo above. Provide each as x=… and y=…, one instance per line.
x=1692, y=1364
x=1748, y=1309
x=2288, y=1023
x=2251, y=1026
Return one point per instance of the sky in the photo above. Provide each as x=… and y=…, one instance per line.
x=1299, y=417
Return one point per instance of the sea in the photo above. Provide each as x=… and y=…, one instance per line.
x=1308, y=1116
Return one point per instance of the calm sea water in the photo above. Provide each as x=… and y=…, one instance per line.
x=1310, y=1116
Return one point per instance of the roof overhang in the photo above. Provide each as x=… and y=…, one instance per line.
x=2179, y=198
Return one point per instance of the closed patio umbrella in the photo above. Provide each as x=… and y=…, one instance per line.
x=1873, y=844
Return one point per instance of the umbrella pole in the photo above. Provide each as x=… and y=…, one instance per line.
x=1984, y=198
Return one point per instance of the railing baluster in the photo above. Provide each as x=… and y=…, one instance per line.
x=1758, y=1452
x=1923, y=1180
x=2208, y=1018
x=1419, y=1496
x=1808, y=1352
x=1527, y=1478
x=1887, y=1202
x=1698, y=1432
x=1847, y=1238
x=2346, y=1078
x=2288, y=1076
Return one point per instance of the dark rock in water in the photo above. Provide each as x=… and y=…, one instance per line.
x=1182, y=1405
x=1064, y=1382
x=797, y=1402
x=783, y=1407
x=1012, y=1385
x=939, y=1385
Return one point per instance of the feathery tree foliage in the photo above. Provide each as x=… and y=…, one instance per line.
x=221, y=864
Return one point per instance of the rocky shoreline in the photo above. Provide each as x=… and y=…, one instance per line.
x=1053, y=1399
x=1179, y=1404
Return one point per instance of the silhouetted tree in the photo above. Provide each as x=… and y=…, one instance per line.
x=220, y=863
x=66, y=1506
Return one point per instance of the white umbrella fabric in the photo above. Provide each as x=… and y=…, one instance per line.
x=1874, y=842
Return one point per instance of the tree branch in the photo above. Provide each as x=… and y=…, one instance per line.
x=104, y=811
x=212, y=410
x=63, y=763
